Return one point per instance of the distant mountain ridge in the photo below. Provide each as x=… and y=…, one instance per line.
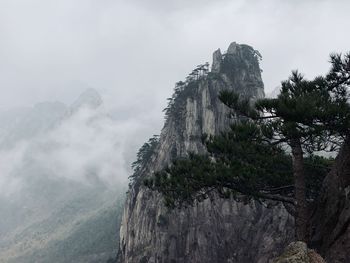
x=52, y=217
x=24, y=123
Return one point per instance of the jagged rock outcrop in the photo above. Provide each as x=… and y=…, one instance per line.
x=211, y=231
x=331, y=221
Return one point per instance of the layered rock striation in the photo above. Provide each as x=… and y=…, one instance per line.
x=212, y=231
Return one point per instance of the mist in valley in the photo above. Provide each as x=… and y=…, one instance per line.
x=83, y=85
x=62, y=167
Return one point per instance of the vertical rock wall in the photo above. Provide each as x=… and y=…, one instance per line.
x=330, y=226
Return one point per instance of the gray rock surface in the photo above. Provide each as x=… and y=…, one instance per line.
x=211, y=231
x=217, y=60
x=330, y=226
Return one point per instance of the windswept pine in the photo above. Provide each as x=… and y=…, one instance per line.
x=269, y=151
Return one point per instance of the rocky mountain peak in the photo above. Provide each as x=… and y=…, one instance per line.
x=239, y=66
x=213, y=230
x=90, y=98
x=232, y=49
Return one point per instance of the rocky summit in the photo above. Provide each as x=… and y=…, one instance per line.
x=215, y=230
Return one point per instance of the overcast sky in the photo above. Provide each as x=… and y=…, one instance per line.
x=133, y=51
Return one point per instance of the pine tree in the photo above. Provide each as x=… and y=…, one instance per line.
x=293, y=118
x=268, y=154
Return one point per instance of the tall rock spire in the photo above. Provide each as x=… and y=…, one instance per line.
x=217, y=60
x=215, y=230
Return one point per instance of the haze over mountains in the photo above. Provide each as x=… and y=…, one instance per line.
x=63, y=181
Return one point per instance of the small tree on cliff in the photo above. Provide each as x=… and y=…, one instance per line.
x=251, y=159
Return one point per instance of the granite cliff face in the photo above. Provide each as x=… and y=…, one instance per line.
x=211, y=231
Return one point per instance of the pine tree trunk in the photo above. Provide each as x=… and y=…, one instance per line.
x=301, y=215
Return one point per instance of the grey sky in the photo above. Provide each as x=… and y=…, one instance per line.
x=134, y=51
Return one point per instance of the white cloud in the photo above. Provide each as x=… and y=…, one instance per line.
x=9, y=161
x=138, y=49
x=86, y=146
x=133, y=52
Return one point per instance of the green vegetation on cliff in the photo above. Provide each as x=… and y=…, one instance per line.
x=270, y=153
